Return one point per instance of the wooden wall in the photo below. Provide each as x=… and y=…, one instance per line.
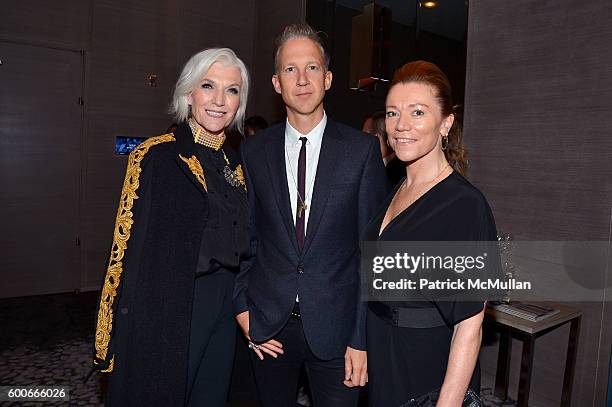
x=537, y=126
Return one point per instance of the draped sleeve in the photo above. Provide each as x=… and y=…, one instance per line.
x=472, y=222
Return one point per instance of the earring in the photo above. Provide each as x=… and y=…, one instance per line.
x=444, y=141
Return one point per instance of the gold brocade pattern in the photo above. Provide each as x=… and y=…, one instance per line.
x=196, y=169
x=111, y=365
x=240, y=175
x=123, y=227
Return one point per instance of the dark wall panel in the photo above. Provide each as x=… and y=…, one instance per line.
x=60, y=23
x=218, y=24
x=539, y=104
x=270, y=18
x=537, y=127
x=40, y=122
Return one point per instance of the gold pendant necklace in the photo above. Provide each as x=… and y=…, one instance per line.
x=301, y=204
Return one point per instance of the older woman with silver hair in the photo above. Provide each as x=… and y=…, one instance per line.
x=165, y=330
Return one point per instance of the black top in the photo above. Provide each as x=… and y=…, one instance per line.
x=453, y=210
x=224, y=239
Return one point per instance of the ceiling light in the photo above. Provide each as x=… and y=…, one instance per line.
x=429, y=4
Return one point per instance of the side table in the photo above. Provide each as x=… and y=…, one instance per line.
x=527, y=331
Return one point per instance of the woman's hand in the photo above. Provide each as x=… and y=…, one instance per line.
x=271, y=347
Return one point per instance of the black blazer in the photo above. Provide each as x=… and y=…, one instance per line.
x=349, y=186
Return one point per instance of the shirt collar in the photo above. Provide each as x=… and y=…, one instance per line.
x=292, y=136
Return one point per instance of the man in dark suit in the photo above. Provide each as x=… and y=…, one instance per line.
x=313, y=185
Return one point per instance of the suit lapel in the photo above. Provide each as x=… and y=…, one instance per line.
x=275, y=157
x=328, y=158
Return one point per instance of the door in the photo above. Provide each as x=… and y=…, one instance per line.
x=40, y=148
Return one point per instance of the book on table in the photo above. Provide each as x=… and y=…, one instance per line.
x=530, y=312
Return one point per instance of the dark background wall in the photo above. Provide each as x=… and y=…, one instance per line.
x=537, y=126
x=271, y=17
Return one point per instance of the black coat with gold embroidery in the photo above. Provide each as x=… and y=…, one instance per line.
x=143, y=328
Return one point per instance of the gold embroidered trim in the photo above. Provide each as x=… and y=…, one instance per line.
x=240, y=176
x=111, y=365
x=123, y=225
x=196, y=169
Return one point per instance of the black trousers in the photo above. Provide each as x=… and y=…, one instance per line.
x=277, y=379
x=212, y=342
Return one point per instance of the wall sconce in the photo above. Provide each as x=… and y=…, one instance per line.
x=152, y=80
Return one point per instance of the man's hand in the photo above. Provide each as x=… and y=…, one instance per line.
x=271, y=347
x=355, y=367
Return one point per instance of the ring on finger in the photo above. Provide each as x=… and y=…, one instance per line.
x=253, y=345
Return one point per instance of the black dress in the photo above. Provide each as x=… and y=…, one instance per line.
x=404, y=363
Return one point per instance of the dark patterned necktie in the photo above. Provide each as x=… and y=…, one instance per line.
x=301, y=198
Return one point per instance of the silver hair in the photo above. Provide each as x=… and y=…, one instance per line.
x=301, y=30
x=192, y=74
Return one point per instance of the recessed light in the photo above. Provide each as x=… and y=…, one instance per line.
x=429, y=4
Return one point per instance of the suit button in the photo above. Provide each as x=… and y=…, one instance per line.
x=395, y=311
x=300, y=269
x=124, y=310
x=395, y=322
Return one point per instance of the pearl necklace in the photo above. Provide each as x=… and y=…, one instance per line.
x=205, y=138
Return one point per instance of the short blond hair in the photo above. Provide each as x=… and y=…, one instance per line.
x=300, y=30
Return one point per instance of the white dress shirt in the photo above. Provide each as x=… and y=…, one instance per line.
x=292, y=154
